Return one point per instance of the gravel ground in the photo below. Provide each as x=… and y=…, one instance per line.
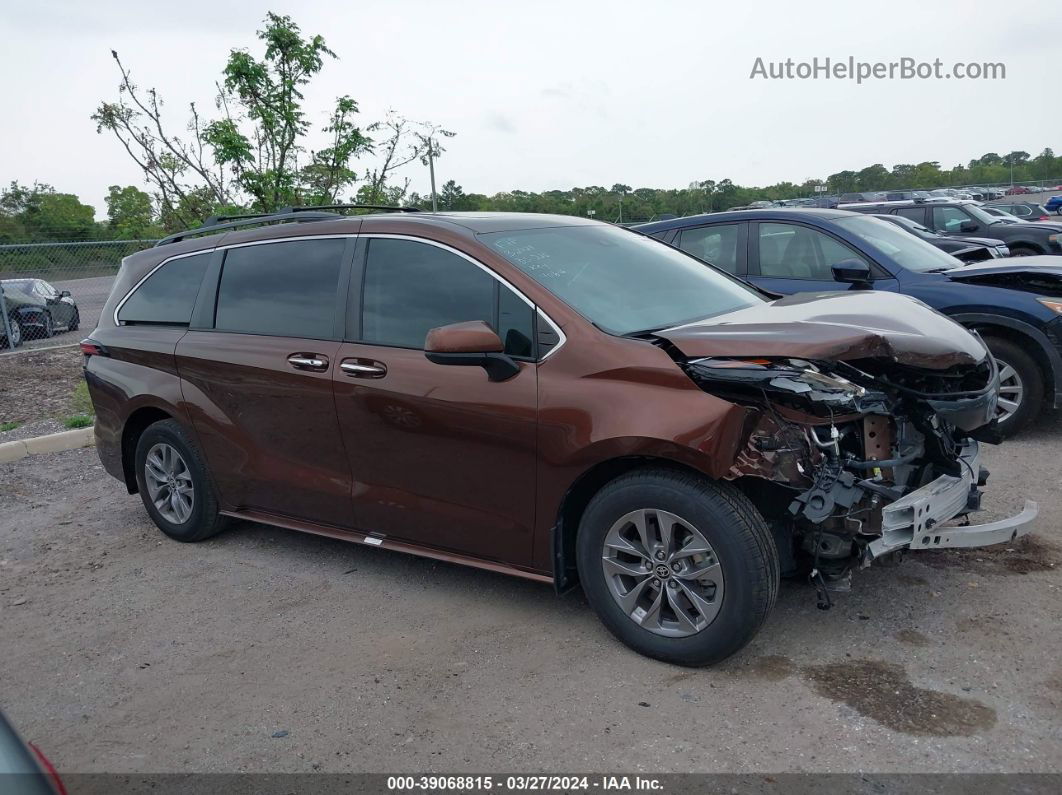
x=32, y=429
x=267, y=650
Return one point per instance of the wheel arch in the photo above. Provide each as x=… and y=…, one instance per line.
x=1030, y=338
x=135, y=425
x=578, y=496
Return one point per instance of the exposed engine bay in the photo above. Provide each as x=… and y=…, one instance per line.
x=864, y=414
x=857, y=460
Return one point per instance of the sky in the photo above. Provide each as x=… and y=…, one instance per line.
x=550, y=95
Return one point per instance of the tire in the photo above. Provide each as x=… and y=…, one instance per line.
x=16, y=332
x=48, y=327
x=75, y=321
x=1023, y=251
x=194, y=515
x=1020, y=378
x=739, y=544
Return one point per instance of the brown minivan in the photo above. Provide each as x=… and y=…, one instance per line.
x=546, y=396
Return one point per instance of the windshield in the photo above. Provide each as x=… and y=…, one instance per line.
x=905, y=249
x=621, y=281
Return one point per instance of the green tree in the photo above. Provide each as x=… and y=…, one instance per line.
x=130, y=215
x=257, y=153
x=39, y=214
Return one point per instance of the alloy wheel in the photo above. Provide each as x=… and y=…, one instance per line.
x=1011, y=391
x=169, y=483
x=662, y=572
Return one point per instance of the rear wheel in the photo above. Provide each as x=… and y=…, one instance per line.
x=676, y=566
x=1021, y=385
x=175, y=485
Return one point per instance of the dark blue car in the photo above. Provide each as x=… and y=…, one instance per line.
x=1015, y=304
x=1054, y=205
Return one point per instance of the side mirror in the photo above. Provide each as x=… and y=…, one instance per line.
x=64, y=294
x=472, y=344
x=968, y=226
x=851, y=271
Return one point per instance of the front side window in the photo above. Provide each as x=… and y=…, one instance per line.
x=717, y=245
x=411, y=288
x=168, y=295
x=620, y=281
x=949, y=219
x=283, y=289
x=789, y=251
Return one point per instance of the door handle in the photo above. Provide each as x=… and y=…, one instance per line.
x=363, y=369
x=308, y=361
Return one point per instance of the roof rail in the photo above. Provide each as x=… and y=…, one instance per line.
x=220, y=223
x=387, y=208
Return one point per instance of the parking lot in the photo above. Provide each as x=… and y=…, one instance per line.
x=268, y=650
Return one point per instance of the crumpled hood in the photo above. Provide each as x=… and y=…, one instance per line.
x=857, y=324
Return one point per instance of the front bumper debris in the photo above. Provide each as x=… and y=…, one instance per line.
x=913, y=521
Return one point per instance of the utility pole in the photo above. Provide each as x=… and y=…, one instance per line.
x=431, y=169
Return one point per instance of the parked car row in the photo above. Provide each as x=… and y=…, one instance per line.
x=938, y=195
x=568, y=401
x=35, y=310
x=1014, y=304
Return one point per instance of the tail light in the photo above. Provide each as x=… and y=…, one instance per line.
x=90, y=347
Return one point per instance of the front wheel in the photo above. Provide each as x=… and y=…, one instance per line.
x=174, y=483
x=1021, y=385
x=16, y=334
x=47, y=326
x=75, y=321
x=1023, y=251
x=676, y=566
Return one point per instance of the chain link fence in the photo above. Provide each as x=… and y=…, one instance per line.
x=49, y=291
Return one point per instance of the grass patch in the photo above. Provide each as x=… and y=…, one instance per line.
x=81, y=403
x=78, y=421
x=8, y=426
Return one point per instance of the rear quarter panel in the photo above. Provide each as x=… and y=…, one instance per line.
x=139, y=371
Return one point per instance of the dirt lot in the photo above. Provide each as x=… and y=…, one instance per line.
x=39, y=385
x=268, y=650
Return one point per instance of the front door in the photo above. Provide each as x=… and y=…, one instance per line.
x=792, y=258
x=440, y=455
x=259, y=383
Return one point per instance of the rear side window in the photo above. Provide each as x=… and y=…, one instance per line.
x=914, y=213
x=411, y=288
x=280, y=289
x=717, y=245
x=167, y=296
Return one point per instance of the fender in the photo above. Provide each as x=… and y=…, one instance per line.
x=1050, y=353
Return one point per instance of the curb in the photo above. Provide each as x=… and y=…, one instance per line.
x=52, y=443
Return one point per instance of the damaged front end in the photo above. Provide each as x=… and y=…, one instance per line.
x=853, y=460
